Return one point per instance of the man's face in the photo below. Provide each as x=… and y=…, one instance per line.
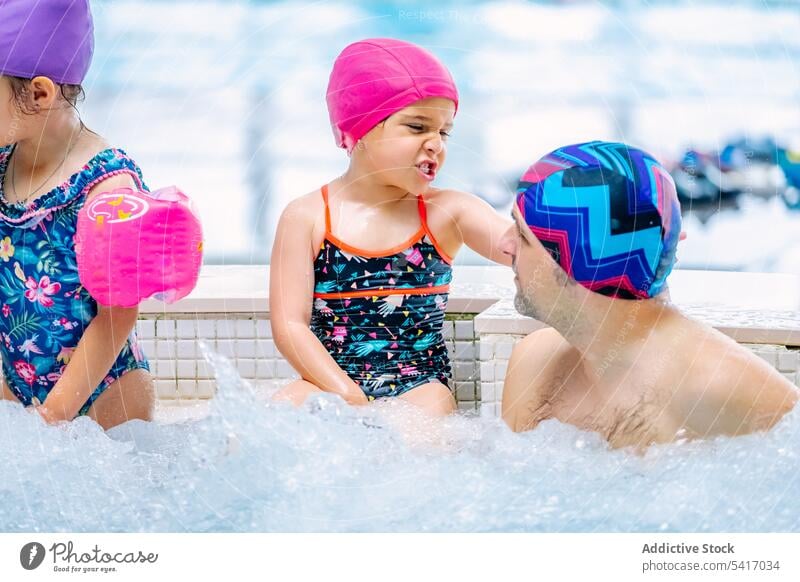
x=530, y=262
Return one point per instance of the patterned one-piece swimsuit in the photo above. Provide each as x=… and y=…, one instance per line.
x=44, y=308
x=380, y=314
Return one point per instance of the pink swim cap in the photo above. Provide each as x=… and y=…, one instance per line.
x=375, y=78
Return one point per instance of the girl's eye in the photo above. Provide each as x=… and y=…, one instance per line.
x=422, y=129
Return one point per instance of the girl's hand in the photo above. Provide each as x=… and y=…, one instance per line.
x=48, y=415
x=355, y=396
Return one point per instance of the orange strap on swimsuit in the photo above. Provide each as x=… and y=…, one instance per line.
x=376, y=273
x=379, y=314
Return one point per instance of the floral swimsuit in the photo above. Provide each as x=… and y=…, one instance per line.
x=380, y=314
x=45, y=309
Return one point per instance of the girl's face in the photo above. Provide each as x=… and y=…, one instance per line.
x=409, y=148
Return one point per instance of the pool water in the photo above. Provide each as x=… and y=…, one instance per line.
x=253, y=466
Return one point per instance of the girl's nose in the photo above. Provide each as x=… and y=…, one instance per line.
x=435, y=145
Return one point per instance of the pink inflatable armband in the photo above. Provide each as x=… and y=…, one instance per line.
x=135, y=245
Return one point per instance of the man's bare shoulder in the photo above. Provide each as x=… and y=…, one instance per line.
x=541, y=366
x=730, y=390
x=548, y=351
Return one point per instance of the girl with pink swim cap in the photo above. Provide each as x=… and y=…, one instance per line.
x=361, y=267
x=62, y=354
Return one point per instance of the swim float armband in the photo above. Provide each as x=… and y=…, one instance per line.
x=135, y=245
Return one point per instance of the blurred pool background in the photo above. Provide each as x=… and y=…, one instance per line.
x=227, y=100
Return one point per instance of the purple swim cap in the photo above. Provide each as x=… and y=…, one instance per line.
x=377, y=77
x=48, y=38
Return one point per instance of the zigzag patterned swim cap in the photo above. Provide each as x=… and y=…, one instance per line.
x=607, y=213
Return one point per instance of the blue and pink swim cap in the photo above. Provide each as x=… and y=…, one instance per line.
x=608, y=214
x=49, y=38
x=377, y=77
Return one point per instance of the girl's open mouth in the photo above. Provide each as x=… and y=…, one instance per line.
x=427, y=170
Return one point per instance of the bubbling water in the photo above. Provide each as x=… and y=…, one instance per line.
x=251, y=465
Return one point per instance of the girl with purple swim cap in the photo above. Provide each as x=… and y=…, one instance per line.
x=361, y=267
x=61, y=353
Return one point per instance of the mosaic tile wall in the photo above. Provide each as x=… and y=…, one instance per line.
x=479, y=364
x=181, y=373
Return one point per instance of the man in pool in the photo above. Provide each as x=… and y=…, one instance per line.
x=596, y=230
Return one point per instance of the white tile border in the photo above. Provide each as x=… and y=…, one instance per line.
x=480, y=348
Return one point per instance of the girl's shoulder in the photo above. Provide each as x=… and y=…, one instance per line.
x=101, y=166
x=312, y=198
x=446, y=196
x=103, y=161
x=442, y=207
x=306, y=206
x=303, y=219
x=306, y=214
x=112, y=161
x=449, y=202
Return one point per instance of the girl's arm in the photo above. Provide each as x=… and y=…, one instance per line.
x=97, y=349
x=480, y=226
x=291, y=295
